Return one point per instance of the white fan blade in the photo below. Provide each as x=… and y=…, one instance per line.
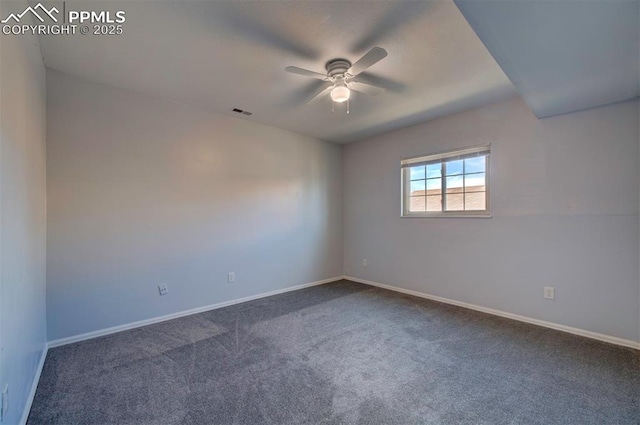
x=378, y=81
x=373, y=56
x=319, y=92
x=305, y=72
x=365, y=88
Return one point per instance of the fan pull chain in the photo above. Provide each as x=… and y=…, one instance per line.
x=333, y=106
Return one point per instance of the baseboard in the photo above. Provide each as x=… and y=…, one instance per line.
x=576, y=331
x=34, y=386
x=120, y=328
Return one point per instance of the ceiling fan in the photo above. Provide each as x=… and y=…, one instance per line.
x=342, y=77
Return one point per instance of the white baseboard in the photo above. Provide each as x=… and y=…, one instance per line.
x=551, y=325
x=34, y=386
x=120, y=328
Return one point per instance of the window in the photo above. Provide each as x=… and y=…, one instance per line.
x=454, y=183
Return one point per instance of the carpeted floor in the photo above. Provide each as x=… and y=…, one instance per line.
x=341, y=353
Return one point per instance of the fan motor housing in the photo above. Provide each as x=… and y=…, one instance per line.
x=337, y=67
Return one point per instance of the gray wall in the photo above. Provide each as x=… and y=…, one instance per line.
x=565, y=214
x=22, y=214
x=142, y=191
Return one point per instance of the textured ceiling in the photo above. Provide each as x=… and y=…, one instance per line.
x=220, y=55
x=563, y=56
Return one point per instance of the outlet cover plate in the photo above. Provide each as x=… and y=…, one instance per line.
x=549, y=292
x=163, y=289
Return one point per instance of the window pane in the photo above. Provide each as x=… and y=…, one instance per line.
x=416, y=203
x=454, y=167
x=447, y=183
x=454, y=184
x=434, y=186
x=475, y=201
x=474, y=182
x=434, y=170
x=416, y=173
x=474, y=165
x=455, y=202
x=434, y=203
x=416, y=187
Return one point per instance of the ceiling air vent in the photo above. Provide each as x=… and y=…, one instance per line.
x=240, y=111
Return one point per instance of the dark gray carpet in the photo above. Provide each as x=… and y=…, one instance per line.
x=341, y=353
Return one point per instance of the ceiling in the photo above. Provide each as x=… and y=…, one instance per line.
x=222, y=55
x=563, y=56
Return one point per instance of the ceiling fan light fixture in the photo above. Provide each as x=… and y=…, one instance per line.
x=340, y=73
x=340, y=93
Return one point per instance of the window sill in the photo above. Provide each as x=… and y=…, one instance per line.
x=446, y=215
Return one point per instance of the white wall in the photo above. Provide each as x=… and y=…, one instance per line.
x=142, y=191
x=564, y=194
x=22, y=214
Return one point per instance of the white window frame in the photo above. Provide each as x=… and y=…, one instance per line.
x=484, y=150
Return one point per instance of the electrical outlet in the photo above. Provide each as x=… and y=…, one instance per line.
x=5, y=402
x=549, y=292
x=163, y=289
x=231, y=277
x=365, y=263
